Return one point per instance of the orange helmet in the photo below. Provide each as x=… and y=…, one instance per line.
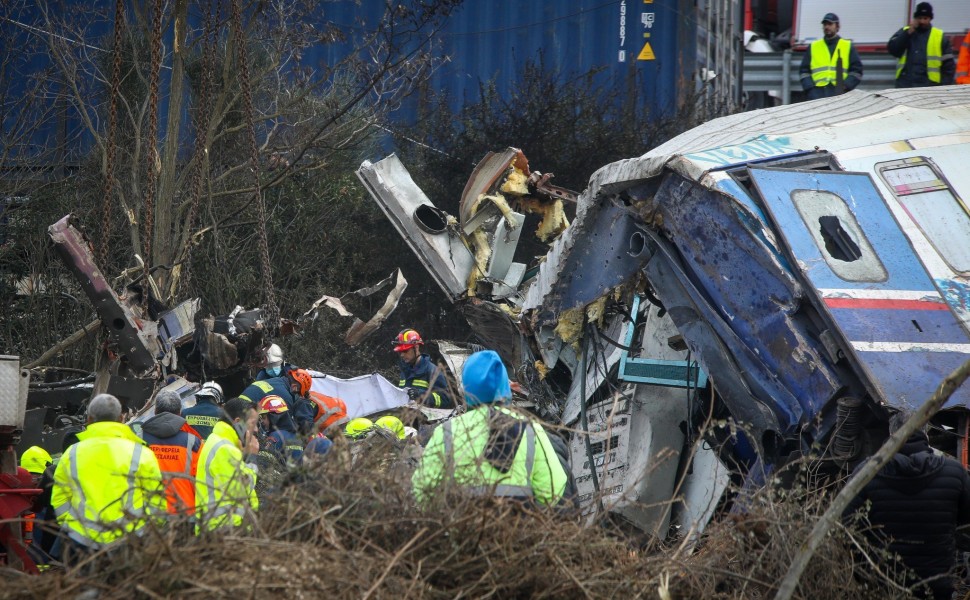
x=272, y=404
x=407, y=339
x=303, y=378
x=329, y=410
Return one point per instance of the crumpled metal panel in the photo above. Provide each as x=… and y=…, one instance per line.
x=137, y=346
x=738, y=309
x=596, y=258
x=443, y=254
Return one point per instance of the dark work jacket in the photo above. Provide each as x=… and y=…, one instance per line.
x=914, y=47
x=917, y=502
x=421, y=376
x=202, y=417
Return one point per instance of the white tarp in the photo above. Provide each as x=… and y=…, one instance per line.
x=364, y=395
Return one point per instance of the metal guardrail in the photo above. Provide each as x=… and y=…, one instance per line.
x=778, y=71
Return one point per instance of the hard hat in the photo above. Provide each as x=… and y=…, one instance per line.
x=392, y=424
x=329, y=410
x=212, y=390
x=302, y=377
x=274, y=356
x=407, y=339
x=35, y=459
x=359, y=427
x=272, y=404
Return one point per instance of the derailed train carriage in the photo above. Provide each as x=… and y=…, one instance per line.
x=798, y=273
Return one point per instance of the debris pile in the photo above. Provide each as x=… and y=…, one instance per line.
x=331, y=530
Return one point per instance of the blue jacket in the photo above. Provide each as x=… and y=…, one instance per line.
x=285, y=444
x=202, y=417
x=279, y=386
x=420, y=376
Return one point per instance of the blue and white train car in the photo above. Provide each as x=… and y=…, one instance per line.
x=814, y=257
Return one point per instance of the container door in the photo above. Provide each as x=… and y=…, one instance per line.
x=864, y=276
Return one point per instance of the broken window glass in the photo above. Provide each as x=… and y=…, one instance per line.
x=839, y=237
x=931, y=203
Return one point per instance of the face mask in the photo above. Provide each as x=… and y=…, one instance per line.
x=274, y=371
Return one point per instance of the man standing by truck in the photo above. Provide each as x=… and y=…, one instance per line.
x=831, y=66
x=925, y=54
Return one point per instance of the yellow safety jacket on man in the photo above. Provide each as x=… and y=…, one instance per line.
x=225, y=486
x=458, y=445
x=934, y=56
x=106, y=485
x=824, y=64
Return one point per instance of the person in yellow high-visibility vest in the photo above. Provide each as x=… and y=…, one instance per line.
x=108, y=484
x=925, y=55
x=831, y=66
x=225, y=485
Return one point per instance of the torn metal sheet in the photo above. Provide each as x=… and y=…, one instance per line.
x=704, y=485
x=427, y=230
x=602, y=357
x=359, y=329
x=126, y=331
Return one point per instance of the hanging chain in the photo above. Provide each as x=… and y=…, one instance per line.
x=204, y=114
x=111, y=148
x=151, y=145
x=273, y=312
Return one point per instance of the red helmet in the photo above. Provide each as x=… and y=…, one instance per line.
x=303, y=378
x=272, y=404
x=406, y=340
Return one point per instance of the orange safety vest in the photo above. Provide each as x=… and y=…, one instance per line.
x=329, y=410
x=179, y=465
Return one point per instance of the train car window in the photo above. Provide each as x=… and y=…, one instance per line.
x=933, y=205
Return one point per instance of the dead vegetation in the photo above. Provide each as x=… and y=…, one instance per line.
x=349, y=528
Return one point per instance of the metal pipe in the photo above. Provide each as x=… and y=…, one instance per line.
x=786, y=77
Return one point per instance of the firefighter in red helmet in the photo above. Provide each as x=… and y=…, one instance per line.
x=423, y=380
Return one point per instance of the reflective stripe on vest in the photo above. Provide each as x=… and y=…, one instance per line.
x=514, y=491
x=217, y=509
x=934, y=56
x=93, y=528
x=824, y=65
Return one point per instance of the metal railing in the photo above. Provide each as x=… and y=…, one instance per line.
x=778, y=71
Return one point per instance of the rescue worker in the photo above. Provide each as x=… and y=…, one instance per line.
x=35, y=460
x=392, y=424
x=176, y=446
x=963, y=62
x=206, y=413
x=491, y=450
x=225, y=485
x=359, y=428
x=831, y=66
x=275, y=366
x=418, y=373
x=108, y=484
x=916, y=503
x=294, y=389
x=328, y=410
x=281, y=438
x=925, y=54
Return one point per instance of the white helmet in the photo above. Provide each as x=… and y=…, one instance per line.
x=274, y=356
x=212, y=390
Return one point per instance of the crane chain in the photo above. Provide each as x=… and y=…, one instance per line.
x=204, y=115
x=151, y=155
x=111, y=147
x=272, y=319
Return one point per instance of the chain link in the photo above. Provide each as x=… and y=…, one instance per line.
x=111, y=148
x=151, y=143
x=272, y=310
x=204, y=115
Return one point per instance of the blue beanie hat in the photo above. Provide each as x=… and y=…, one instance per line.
x=485, y=379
